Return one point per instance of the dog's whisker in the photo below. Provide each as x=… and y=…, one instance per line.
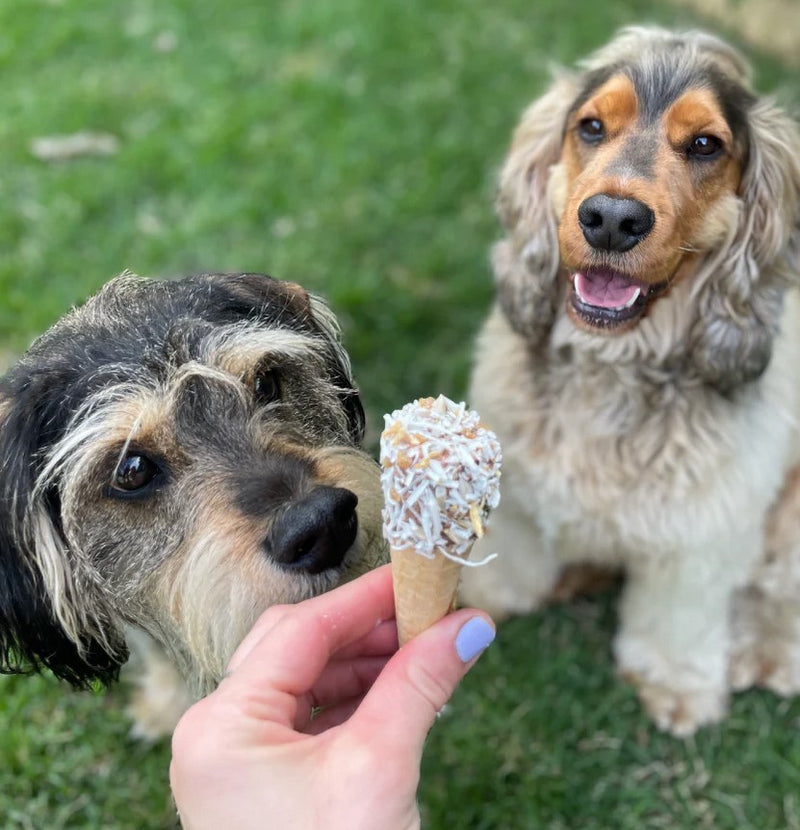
x=126, y=445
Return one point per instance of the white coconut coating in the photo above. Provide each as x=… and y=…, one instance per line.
x=440, y=471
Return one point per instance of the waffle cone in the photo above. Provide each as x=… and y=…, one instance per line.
x=424, y=590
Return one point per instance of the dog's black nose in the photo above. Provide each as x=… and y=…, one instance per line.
x=613, y=224
x=314, y=534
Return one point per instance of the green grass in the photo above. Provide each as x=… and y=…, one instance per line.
x=350, y=145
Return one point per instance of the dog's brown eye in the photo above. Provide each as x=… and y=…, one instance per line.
x=133, y=473
x=704, y=146
x=591, y=130
x=266, y=386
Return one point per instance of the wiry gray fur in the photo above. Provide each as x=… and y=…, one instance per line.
x=237, y=391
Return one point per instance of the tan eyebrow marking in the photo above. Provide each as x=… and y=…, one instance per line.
x=696, y=112
x=615, y=104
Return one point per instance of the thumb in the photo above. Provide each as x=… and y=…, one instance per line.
x=415, y=684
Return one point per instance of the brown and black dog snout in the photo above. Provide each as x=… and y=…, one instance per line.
x=610, y=223
x=315, y=533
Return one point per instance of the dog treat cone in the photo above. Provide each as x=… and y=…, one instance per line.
x=440, y=471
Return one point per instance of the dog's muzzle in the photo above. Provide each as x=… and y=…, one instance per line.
x=315, y=533
x=603, y=297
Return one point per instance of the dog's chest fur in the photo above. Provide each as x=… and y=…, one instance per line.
x=614, y=458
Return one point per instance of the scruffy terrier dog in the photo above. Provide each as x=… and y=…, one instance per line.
x=176, y=457
x=641, y=366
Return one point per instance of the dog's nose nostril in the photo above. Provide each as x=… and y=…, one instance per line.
x=613, y=224
x=588, y=217
x=314, y=534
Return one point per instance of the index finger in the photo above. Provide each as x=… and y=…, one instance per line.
x=287, y=655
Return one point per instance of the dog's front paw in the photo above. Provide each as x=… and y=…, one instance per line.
x=155, y=714
x=745, y=670
x=681, y=712
x=501, y=599
x=159, y=696
x=766, y=643
x=680, y=694
x=769, y=668
x=503, y=588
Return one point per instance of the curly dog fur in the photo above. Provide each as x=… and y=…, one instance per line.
x=640, y=366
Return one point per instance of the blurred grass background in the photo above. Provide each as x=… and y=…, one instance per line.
x=351, y=146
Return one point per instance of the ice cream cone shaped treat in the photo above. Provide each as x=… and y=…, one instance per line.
x=440, y=471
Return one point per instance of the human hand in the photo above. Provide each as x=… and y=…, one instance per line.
x=321, y=721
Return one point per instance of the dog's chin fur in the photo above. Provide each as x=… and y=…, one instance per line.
x=230, y=580
x=177, y=457
x=665, y=446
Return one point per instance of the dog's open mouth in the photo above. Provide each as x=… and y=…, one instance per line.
x=604, y=298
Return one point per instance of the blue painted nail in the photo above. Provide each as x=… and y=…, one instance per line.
x=473, y=637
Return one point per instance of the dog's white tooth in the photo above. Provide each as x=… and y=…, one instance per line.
x=634, y=297
x=576, y=286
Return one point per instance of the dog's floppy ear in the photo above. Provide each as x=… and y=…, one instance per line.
x=258, y=296
x=526, y=262
x=739, y=304
x=289, y=304
x=31, y=635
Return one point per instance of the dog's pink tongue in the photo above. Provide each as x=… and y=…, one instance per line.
x=606, y=289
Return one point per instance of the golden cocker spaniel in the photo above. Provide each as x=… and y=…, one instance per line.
x=641, y=366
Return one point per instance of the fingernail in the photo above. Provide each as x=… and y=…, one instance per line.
x=473, y=637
